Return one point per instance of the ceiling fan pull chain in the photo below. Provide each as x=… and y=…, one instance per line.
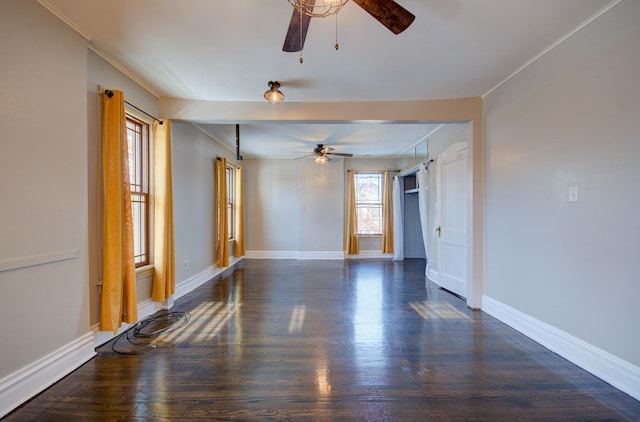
x=301, y=45
x=336, y=46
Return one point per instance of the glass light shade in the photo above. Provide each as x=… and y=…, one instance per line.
x=321, y=159
x=273, y=95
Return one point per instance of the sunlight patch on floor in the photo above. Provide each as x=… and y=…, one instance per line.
x=207, y=320
x=297, y=319
x=431, y=311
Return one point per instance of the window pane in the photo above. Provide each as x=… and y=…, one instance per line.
x=139, y=213
x=230, y=221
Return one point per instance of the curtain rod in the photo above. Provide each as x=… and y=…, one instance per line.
x=414, y=169
x=109, y=94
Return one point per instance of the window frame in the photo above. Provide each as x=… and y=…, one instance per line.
x=231, y=203
x=143, y=162
x=363, y=204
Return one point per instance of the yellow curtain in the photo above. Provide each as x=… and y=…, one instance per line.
x=238, y=251
x=164, y=274
x=118, y=267
x=387, y=216
x=351, y=242
x=222, y=229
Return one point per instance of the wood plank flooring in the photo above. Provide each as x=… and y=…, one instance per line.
x=330, y=340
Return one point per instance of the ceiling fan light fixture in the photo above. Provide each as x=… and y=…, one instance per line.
x=321, y=159
x=318, y=8
x=273, y=95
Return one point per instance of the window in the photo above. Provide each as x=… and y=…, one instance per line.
x=368, y=187
x=138, y=141
x=230, y=200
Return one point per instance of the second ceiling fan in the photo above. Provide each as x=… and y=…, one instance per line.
x=322, y=153
x=389, y=13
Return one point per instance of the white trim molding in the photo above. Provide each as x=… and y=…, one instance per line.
x=25, y=383
x=339, y=255
x=432, y=275
x=302, y=255
x=370, y=255
x=30, y=261
x=611, y=369
x=271, y=255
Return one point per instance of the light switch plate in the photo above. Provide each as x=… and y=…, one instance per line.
x=573, y=194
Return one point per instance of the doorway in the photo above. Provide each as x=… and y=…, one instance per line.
x=452, y=194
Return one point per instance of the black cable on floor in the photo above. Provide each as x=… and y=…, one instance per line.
x=149, y=328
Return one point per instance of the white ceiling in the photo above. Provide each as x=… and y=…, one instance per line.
x=217, y=50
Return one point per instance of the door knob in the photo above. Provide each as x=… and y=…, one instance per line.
x=439, y=230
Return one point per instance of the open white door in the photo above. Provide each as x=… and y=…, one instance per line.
x=453, y=181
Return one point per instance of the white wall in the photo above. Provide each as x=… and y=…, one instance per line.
x=43, y=186
x=570, y=119
x=321, y=210
x=271, y=205
x=194, y=156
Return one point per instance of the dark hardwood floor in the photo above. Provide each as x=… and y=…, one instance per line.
x=330, y=340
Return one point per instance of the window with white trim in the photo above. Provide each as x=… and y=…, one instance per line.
x=369, y=194
x=138, y=141
x=230, y=200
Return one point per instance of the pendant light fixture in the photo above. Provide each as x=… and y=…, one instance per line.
x=318, y=8
x=274, y=95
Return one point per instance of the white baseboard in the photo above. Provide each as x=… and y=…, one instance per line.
x=370, y=255
x=271, y=255
x=339, y=255
x=25, y=383
x=617, y=372
x=302, y=255
x=433, y=275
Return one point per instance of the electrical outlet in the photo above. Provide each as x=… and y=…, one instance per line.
x=186, y=264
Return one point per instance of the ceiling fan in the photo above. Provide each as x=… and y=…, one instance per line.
x=389, y=13
x=322, y=153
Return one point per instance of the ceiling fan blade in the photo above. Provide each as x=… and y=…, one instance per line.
x=300, y=158
x=389, y=13
x=297, y=32
x=341, y=154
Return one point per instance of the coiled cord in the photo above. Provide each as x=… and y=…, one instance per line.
x=138, y=335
